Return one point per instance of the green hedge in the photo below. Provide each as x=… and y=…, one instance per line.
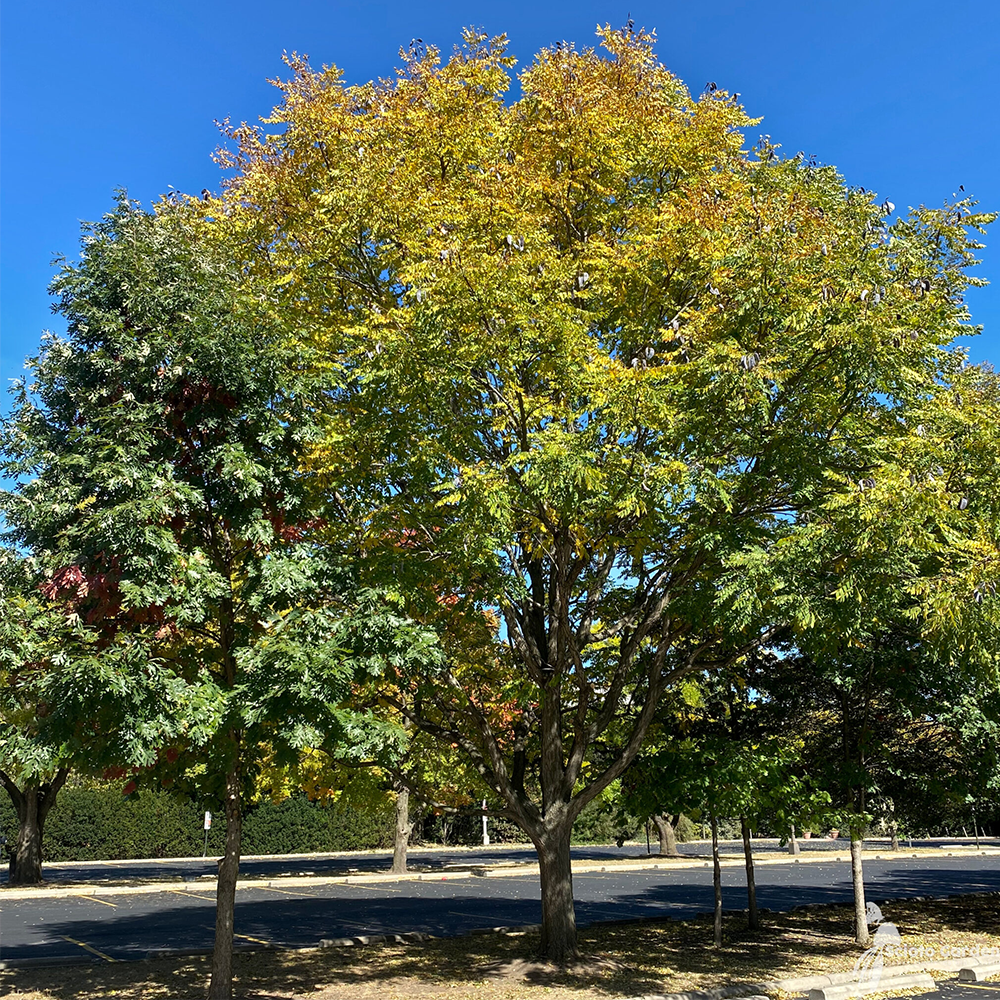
x=91, y=824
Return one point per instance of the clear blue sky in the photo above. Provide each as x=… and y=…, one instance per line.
x=902, y=96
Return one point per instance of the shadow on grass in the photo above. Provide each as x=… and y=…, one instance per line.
x=623, y=960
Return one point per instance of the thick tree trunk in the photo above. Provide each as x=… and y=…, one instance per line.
x=861, y=935
x=558, y=914
x=403, y=827
x=753, y=916
x=716, y=879
x=221, y=986
x=666, y=827
x=26, y=858
x=32, y=806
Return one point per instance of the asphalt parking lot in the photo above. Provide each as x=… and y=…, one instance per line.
x=124, y=927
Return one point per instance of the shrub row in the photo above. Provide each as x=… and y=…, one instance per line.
x=92, y=824
x=89, y=824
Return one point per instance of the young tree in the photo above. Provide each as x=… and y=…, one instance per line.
x=164, y=440
x=68, y=696
x=34, y=759
x=591, y=356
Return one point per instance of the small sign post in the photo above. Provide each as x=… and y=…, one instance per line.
x=208, y=826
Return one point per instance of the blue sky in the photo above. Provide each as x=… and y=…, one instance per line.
x=901, y=96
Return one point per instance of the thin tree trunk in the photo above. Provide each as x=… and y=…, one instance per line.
x=403, y=828
x=753, y=916
x=666, y=827
x=793, y=844
x=716, y=878
x=861, y=935
x=558, y=914
x=221, y=986
x=32, y=806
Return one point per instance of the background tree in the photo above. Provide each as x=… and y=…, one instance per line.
x=163, y=439
x=596, y=360
x=64, y=689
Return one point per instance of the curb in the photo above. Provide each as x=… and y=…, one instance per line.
x=891, y=984
x=208, y=885
x=473, y=871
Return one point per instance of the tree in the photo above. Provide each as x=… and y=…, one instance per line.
x=68, y=690
x=896, y=588
x=167, y=502
x=714, y=757
x=595, y=362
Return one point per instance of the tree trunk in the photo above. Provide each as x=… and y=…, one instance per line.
x=753, y=917
x=894, y=845
x=558, y=914
x=793, y=844
x=403, y=828
x=221, y=986
x=32, y=807
x=861, y=935
x=716, y=878
x=666, y=827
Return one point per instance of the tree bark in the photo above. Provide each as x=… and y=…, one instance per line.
x=32, y=806
x=221, y=986
x=716, y=878
x=793, y=844
x=403, y=827
x=861, y=935
x=558, y=914
x=753, y=915
x=666, y=827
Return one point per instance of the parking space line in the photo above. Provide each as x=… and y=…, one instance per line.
x=94, y=899
x=287, y=892
x=462, y=913
x=87, y=947
x=193, y=895
x=247, y=937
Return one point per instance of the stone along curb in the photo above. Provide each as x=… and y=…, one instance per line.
x=801, y=984
x=882, y=984
x=979, y=972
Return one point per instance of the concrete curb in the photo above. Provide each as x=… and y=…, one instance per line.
x=978, y=971
x=882, y=984
x=473, y=870
x=208, y=885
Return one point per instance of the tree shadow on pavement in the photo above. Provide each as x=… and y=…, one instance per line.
x=620, y=960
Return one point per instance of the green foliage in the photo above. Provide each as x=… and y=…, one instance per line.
x=164, y=441
x=603, y=374
x=99, y=823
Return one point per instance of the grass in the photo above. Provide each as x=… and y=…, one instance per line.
x=625, y=960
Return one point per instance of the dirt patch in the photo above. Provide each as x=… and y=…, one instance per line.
x=618, y=961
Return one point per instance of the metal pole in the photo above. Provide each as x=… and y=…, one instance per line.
x=486, y=836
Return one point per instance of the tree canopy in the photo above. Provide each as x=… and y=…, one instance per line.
x=589, y=369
